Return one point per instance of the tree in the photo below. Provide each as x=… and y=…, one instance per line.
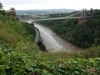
x=1, y=9
x=1, y=5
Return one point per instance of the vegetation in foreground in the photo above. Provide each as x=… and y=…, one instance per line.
x=13, y=62
x=20, y=56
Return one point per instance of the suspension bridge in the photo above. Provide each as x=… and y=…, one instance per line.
x=81, y=19
x=83, y=15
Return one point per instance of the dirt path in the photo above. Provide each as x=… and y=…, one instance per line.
x=52, y=42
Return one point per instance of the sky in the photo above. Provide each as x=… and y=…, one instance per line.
x=50, y=4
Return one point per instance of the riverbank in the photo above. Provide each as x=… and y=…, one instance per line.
x=52, y=42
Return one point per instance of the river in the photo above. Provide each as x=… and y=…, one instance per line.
x=52, y=42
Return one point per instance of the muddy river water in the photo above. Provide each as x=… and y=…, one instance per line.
x=52, y=42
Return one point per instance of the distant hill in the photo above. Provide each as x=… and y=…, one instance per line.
x=42, y=12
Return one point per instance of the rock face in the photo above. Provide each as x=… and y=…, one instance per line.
x=82, y=21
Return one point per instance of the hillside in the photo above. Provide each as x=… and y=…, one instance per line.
x=19, y=55
x=16, y=45
x=84, y=36
x=15, y=34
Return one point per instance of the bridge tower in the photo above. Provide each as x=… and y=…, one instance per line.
x=83, y=18
x=13, y=12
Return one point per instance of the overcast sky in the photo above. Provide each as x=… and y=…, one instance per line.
x=51, y=4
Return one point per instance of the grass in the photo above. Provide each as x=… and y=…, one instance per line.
x=17, y=35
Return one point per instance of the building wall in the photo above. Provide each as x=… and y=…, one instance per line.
x=13, y=12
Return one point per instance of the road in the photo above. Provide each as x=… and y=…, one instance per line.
x=52, y=42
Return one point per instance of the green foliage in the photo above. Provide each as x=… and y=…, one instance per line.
x=16, y=34
x=41, y=46
x=83, y=36
x=74, y=66
x=1, y=6
x=62, y=14
x=19, y=56
x=16, y=46
x=30, y=29
x=14, y=62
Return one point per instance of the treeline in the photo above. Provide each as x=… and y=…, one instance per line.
x=83, y=36
x=61, y=14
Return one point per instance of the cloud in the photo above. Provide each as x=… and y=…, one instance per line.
x=51, y=4
x=9, y=2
